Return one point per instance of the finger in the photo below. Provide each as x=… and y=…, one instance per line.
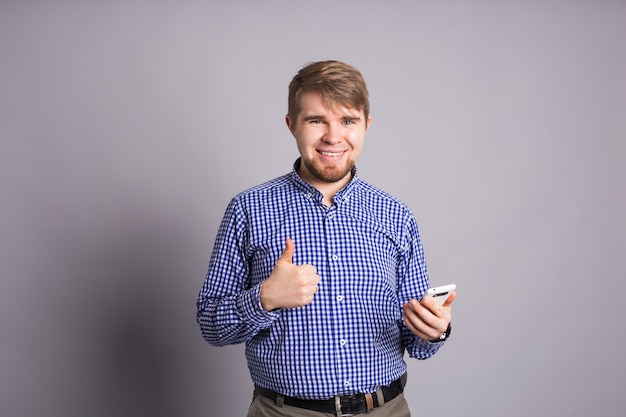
x=423, y=327
x=313, y=279
x=426, y=311
x=308, y=269
x=411, y=320
x=429, y=304
x=287, y=255
x=450, y=299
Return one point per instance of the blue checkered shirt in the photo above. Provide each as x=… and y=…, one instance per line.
x=351, y=337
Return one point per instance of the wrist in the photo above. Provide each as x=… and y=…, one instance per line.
x=443, y=336
x=263, y=299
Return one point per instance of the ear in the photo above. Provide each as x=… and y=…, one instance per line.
x=368, y=123
x=290, y=125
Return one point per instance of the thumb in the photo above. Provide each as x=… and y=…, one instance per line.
x=287, y=255
x=450, y=299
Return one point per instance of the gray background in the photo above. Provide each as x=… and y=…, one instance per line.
x=126, y=127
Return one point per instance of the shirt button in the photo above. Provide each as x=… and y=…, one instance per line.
x=340, y=298
x=342, y=342
x=335, y=257
x=346, y=383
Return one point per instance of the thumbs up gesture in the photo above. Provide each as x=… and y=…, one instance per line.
x=289, y=285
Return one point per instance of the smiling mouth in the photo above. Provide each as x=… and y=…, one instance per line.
x=331, y=153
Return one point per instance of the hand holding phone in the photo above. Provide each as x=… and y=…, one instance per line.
x=429, y=322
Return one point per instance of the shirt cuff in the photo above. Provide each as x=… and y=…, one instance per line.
x=423, y=349
x=250, y=309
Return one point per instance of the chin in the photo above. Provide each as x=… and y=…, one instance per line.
x=334, y=174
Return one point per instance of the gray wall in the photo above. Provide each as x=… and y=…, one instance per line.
x=126, y=127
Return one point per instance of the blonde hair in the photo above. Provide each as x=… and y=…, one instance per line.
x=336, y=83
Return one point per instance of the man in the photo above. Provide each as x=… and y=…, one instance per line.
x=319, y=272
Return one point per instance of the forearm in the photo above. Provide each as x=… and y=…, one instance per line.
x=234, y=318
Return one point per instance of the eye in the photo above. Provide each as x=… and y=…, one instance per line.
x=348, y=122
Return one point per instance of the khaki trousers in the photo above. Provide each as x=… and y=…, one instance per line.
x=264, y=407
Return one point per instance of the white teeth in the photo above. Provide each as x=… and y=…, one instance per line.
x=331, y=153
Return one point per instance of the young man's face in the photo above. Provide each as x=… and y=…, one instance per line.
x=330, y=140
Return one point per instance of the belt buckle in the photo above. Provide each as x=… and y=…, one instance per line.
x=338, y=408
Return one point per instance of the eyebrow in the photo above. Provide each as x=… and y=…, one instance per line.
x=313, y=117
x=320, y=117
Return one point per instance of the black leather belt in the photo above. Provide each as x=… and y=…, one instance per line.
x=345, y=405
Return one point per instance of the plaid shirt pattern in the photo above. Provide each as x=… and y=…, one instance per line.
x=351, y=337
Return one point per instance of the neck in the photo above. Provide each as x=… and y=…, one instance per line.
x=328, y=189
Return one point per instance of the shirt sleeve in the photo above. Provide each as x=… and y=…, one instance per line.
x=413, y=283
x=228, y=307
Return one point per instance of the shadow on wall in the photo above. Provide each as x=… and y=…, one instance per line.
x=152, y=359
x=114, y=323
x=137, y=317
x=99, y=283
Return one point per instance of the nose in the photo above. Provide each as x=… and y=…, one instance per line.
x=332, y=134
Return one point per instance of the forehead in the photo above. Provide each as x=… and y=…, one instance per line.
x=313, y=103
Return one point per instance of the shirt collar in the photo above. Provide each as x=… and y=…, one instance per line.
x=340, y=196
